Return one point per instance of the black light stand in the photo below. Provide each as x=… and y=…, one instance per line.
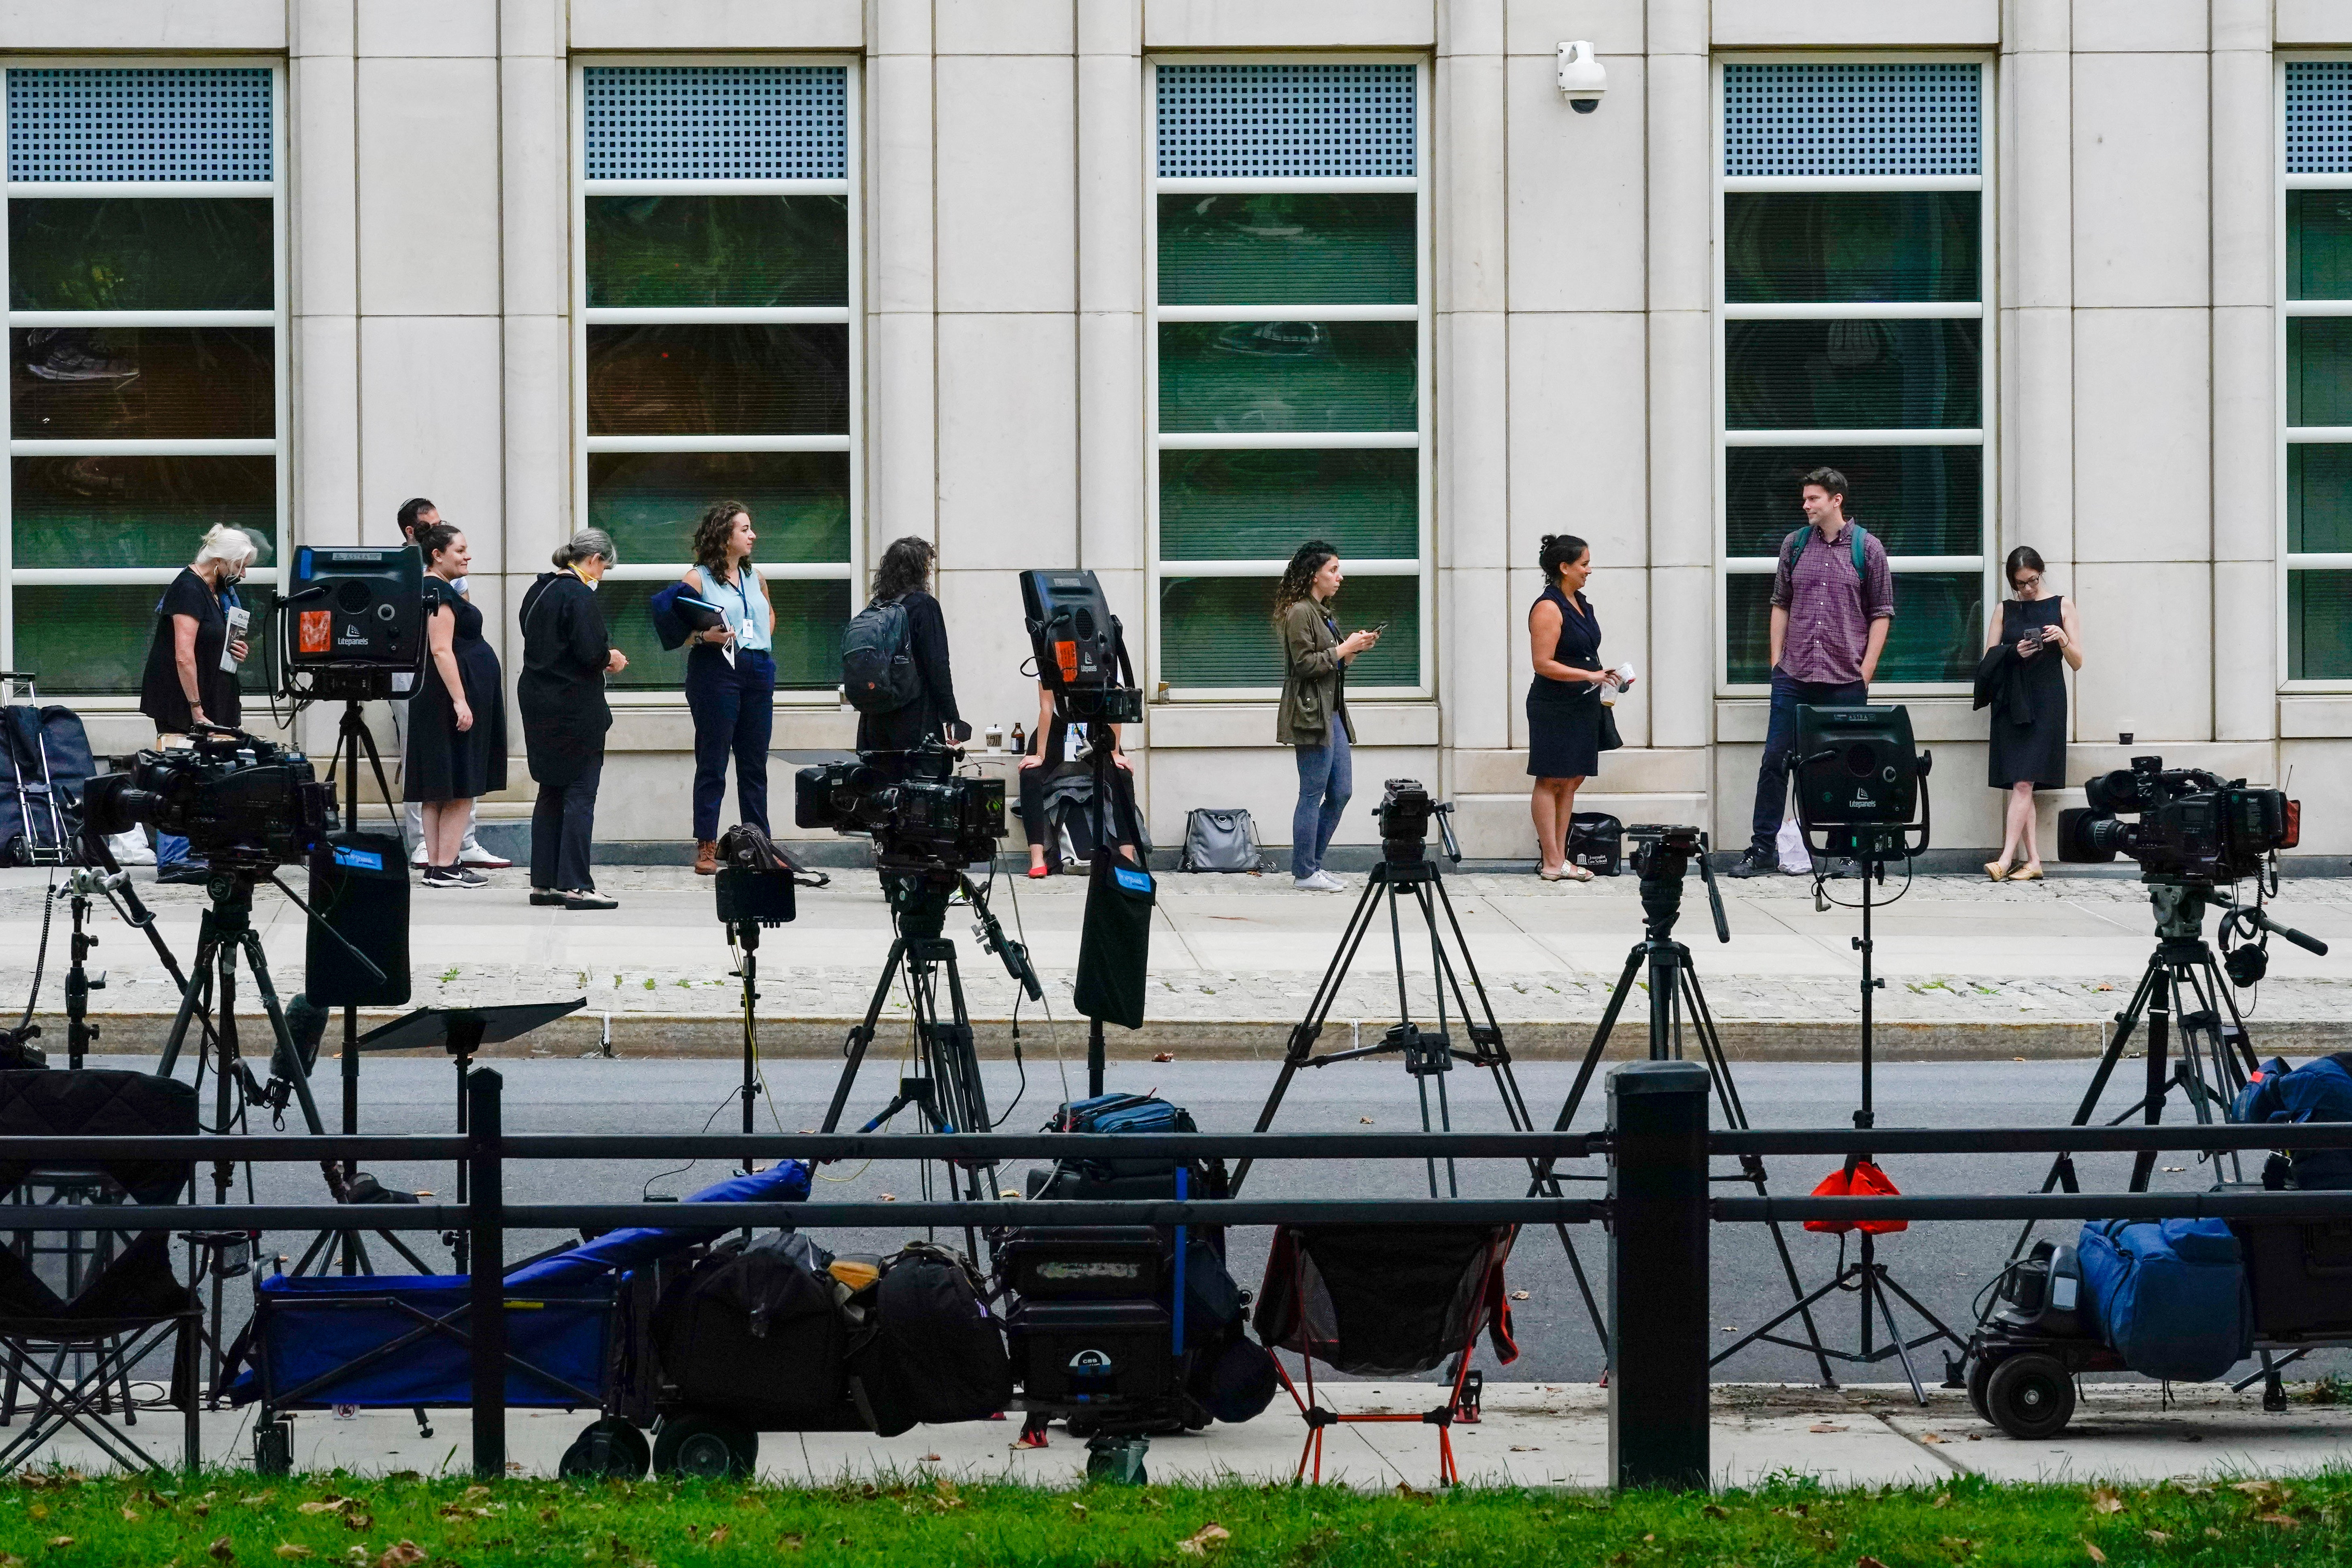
x=1661, y=858
x=352, y=740
x=748, y=899
x=1859, y=783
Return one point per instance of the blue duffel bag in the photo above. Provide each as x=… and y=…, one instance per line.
x=2169, y=1296
x=2318, y=1090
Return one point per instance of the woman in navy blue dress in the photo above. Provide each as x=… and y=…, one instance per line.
x=1563, y=700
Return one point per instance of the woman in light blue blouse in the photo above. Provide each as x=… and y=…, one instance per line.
x=731, y=677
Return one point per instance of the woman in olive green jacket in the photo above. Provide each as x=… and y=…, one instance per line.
x=1313, y=719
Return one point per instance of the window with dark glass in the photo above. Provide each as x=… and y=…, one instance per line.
x=2318, y=371
x=146, y=368
x=1855, y=250
x=1290, y=333
x=718, y=342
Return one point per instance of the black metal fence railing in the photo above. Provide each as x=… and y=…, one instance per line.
x=1658, y=1209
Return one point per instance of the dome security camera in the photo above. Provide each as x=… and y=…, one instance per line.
x=1582, y=78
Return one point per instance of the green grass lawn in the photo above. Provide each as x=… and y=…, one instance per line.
x=59, y=1520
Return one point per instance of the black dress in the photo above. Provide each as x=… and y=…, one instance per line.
x=159, y=696
x=443, y=762
x=1564, y=717
x=905, y=729
x=561, y=687
x=2035, y=751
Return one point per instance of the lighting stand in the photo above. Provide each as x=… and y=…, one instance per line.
x=1674, y=991
x=946, y=1090
x=352, y=741
x=1405, y=873
x=1866, y=1276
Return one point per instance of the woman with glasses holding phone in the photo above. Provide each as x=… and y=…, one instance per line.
x=2038, y=632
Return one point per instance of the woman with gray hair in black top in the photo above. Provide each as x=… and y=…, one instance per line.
x=566, y=654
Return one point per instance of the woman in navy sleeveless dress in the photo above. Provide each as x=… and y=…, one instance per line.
x=1563, y=700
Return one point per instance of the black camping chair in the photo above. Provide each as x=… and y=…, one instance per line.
x=74, y=1355
x=1386, y=1302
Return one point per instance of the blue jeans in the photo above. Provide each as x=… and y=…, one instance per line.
x=734, y=709
x=1788, y=694
x=1326, y=777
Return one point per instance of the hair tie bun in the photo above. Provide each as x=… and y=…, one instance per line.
x=1547, y=538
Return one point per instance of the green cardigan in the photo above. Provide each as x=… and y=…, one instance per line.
x=1311, y=684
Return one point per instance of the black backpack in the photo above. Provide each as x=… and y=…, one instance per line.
x=936, y=1352
x=754, y=1334
x=877, y=665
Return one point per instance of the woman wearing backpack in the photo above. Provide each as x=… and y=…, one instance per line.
x=903, y=577
x=731, y=677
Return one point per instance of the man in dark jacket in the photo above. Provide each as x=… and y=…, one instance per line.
x=566, y=654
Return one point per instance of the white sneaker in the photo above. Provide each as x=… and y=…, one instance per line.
x=472, y=854
x=1331, y=884
x=1310, y=883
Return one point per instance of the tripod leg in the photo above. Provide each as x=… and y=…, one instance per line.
x=2159, y=1033
x=1592, y=1062
x=1719, y=1066
x=207, y=941
x=862, y=1035
x=284, y=1060
x=1872, y=1291
x=1304, y=1034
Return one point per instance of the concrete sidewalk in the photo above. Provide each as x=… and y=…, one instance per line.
x=1974, y=970
x=1532, y=1435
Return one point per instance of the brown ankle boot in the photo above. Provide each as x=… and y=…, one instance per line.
x=706, y=858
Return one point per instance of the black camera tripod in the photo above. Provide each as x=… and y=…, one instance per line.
x=224, y=932
x=1662, y=860
x=946, y=1090
x=1406, y=873
x=2181, y=987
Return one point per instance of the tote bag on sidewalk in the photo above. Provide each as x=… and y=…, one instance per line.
x=1217, y=839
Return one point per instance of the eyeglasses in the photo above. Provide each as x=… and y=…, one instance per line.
x=2032, y=581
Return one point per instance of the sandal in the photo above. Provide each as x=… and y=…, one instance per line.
x=1997, y=869
x=1576, y=873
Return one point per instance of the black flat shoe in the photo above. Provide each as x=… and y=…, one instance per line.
x=589, y=901
x=545, y=897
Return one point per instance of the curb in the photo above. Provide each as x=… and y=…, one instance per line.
x=710, y=1035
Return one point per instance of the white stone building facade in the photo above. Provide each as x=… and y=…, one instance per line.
x=1158, y=287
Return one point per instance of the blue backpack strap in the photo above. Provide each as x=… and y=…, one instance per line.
x=1860, y=534
x=1804, y=536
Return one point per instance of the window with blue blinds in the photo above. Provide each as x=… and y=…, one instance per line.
x=1290, y=340
x=719, y=333
x=1856, y=246
x=146, y=364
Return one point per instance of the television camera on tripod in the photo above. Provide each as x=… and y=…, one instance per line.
x=927, y=823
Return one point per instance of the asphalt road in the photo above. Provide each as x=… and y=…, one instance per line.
x=1943, y=1265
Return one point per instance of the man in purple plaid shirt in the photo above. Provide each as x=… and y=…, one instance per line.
x=1829, y=626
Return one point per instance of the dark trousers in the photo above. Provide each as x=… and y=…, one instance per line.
x=734, y=709
x=563, y=824
x=1788, y=694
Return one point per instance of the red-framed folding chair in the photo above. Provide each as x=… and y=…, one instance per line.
x=1386, y=1302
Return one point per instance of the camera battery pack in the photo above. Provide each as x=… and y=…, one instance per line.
x=1088, y=1263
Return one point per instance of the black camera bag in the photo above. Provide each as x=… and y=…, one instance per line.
x=752, y=1334
x=936, y=1352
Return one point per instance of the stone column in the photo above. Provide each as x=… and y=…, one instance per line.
x=2246, y=587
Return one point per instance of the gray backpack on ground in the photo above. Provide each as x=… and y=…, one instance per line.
x=1219, y=840
x=877, y=665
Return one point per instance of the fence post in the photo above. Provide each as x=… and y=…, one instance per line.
x=1658, y=1276
x=486, y=1252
